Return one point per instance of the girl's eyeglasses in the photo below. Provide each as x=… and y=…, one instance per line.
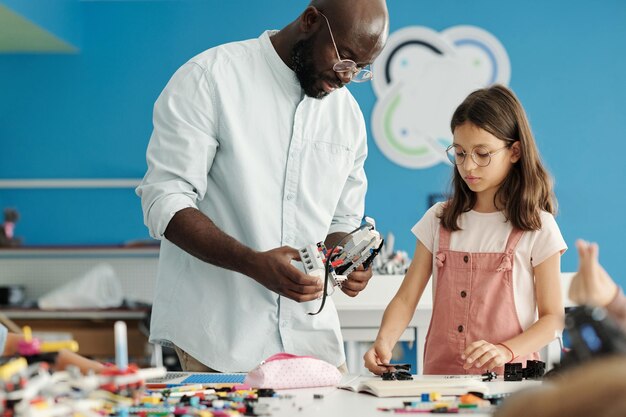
x=480, y=154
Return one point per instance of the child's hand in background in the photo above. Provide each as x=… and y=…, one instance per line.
x=376, y=355
x=591, y=285
x=482, y=354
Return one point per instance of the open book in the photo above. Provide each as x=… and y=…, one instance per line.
x=442, y=384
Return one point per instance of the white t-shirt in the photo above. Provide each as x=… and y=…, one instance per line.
x=489, y=232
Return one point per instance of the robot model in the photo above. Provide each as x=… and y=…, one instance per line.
x=360, y=248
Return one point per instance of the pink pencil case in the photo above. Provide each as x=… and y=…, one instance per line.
x=285, y=370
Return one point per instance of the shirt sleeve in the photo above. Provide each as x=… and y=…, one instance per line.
x=3, y=338
x=181, y=149
x=548, y=240
x=426, y=229
x=351, y=206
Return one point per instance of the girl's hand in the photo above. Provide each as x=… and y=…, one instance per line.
x=376, y=355
x=482, y=354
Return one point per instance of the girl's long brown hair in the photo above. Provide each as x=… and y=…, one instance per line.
x=528, y=187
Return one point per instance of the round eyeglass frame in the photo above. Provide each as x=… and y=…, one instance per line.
x=454, y=158
x=348, y=66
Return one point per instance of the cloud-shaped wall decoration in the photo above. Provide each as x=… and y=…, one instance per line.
x=421, y=76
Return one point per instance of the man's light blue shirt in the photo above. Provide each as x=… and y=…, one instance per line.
x=235, y=137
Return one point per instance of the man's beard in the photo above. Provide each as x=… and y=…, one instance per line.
x=302, y=61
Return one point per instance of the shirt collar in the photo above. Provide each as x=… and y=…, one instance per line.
x=276, y=63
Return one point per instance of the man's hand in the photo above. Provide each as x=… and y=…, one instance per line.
x=273, y=270
x=196, y=234
x=357, y=281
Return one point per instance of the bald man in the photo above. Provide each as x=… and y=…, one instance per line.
x=258, y=150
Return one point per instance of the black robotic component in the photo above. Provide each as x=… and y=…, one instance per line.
x=515, y=372
x=534, y=369
x=592, y=333
x=397, y=372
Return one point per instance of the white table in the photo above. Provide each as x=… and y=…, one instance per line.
x=342, y=403
x=360, y=317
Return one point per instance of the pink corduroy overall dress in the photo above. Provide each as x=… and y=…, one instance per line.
x=473, y=301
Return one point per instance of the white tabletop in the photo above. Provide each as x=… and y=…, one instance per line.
x=342, y=403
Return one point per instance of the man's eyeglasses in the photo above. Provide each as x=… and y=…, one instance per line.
x=480, y=154
x=347, y=67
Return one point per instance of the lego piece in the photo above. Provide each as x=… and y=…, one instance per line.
x=265, y=392
x=397, y=372
x=397, y=376
x=397, y=366
x=496, y=399
x=361, y=249
x=489, y=376
x=121, y=348
x=470, y=399
x=28, y=346
x=513, y=372
x=534, y=369
x=313, y=257
x=440, y=409
x=12, y=367
x=33, y=347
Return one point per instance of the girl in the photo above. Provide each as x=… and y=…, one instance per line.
x=493, y=250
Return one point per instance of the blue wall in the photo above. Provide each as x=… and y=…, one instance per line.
x=88, y=115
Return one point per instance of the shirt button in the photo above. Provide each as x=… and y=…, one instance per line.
x=465, y=258
x=460, y=329
x=463, y=294
x=289, y=196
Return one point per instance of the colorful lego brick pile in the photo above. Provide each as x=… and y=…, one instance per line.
x=34, y=391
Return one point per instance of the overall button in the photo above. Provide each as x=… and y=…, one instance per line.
x=463, y=294
x=460, y=329
x=466, y=259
